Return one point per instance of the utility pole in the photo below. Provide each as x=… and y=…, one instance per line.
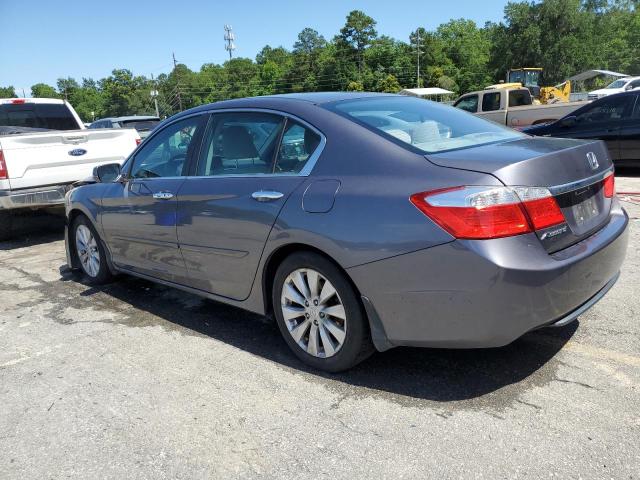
x=229, y=37
x=175, y=64
x=154, y=94
x=418, y=53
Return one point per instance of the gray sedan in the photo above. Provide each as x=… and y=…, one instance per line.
x=360, y=221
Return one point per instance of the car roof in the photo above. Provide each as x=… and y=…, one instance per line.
x=128, y=118
x=268, y=101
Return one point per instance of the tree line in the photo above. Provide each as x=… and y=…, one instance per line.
x=564, y=37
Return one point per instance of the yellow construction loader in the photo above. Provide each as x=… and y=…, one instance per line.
x=531, y=77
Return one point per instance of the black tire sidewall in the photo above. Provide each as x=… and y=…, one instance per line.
x=357, y=345
x=104, y=274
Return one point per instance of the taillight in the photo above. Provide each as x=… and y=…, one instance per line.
x=4, y=174
x=541, y=207
x=18, y=101
x=609, y=186
x=138, y=141
x=489, y=212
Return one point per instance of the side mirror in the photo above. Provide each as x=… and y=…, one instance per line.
x=569, y=121
x=628, y=87
x=107, y=173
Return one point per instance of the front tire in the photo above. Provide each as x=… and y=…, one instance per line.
x=90, y=252
x=319, y=313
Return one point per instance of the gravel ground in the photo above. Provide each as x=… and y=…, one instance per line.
x=136, y=380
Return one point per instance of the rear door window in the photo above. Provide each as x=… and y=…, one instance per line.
x=53, y=116
x=240, y=143
x=297, y=145
x=491, y=102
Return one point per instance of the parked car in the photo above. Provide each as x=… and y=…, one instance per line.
x=512, y=106
x=44, y=148
x=614, y=119
x=143, y=124
x=621, y=85
x=393, y=221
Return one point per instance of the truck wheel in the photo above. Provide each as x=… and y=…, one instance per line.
x=6, y=225
x=90, y=252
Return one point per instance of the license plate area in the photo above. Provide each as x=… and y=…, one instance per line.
x=584, y=208
x=584, y=211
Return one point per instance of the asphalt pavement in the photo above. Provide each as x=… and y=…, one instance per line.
x=136, y=380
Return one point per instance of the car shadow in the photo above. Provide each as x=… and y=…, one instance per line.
x=34, y=228
x=433, y=374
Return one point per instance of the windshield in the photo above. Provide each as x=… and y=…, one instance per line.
x=617, y=84
x=428, y=126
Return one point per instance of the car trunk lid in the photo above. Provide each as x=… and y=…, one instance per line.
x=572, y=170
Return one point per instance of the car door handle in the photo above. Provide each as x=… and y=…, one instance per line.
x=267, y=195
x=163, y=195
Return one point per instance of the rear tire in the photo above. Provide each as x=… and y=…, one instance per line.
x=89, y=252
x=319, y=313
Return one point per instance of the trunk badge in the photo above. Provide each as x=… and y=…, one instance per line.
x=77, y=152
x=593, y=160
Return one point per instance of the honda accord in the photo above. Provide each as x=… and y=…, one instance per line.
x=359, y=221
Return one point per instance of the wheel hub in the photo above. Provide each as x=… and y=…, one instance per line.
x=313, y=313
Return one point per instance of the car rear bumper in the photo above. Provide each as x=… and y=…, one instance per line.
x=475, y=294
x=33, y=197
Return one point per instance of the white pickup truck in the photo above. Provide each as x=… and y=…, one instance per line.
x=44, y=148
x=513, y=107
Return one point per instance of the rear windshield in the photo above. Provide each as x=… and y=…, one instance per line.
x=53, y=116
x=141, y=125
x=427, y=126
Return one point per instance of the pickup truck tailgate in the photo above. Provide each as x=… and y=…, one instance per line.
x=62, y=157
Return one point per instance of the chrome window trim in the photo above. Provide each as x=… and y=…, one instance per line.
x=568, y=187
x=311, y=161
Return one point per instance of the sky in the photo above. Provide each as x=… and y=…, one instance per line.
x=43, y=40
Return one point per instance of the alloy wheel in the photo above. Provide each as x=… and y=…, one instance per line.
x=88, y=253
x=313, y=313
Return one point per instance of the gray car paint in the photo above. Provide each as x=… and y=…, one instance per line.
x=394, y=254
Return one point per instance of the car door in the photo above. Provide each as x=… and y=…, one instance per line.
x=249, y=164
x=139, y=213
x=629, y=142
x=601, y=120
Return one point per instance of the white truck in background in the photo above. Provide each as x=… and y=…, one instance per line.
x=44, y=148
x=513, y=107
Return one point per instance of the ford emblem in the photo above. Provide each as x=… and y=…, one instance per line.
x=77, y=152
x=593, y=160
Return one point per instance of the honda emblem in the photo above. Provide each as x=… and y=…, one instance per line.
x=593, y=160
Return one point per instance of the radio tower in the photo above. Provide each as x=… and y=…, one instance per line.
x=229, y=37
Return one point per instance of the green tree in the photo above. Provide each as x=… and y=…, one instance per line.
x=7, y=92
x=42, y=90
x=388, y=84
x=358, y=33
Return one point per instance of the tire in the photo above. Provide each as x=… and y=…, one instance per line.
x=89, y=252
x=303, y=304
x=6, y=225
